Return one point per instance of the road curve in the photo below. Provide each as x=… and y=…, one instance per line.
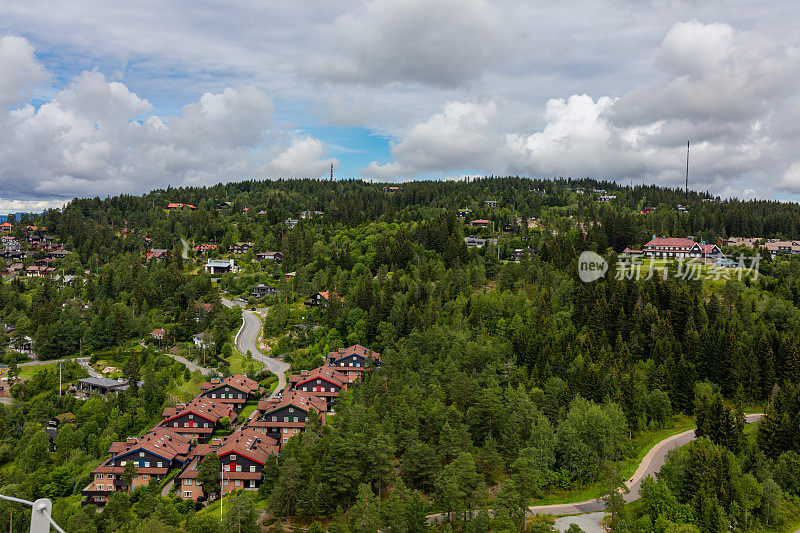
x=247, y=339
x=185, y=253
x=650, y=465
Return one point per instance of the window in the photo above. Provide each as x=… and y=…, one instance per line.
x=291, y=409
x=238, y=468
x=187, y=481
x=252, y=483
x=205, y=424
x=141, y=454
x=237, y=483
x=285, y=418
x=286, y=430
x=227, y=468
x=187, y=494
x=305, y=388
x=191, y=416
x=240, y=396
x=233, y=457
x=147, y=464
x=186, y=424
x=145, y=477
x=285, y=441
x=226, y=389
x=123, y=463
x=175, y=424
x=225, y=483
x=274, y=418
x=99, y=476
x=252, y=468
x=160, y=464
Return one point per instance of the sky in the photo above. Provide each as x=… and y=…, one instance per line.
x=101, y=98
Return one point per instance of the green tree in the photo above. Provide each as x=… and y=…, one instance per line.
x=240, y=513
x=209, y=474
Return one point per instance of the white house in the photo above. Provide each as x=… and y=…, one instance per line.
x=219, y=266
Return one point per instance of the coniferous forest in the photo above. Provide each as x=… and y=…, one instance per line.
x=502, y=384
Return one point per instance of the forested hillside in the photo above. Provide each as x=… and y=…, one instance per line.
x=501, y=382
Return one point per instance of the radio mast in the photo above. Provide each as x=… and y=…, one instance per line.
x=687, y=167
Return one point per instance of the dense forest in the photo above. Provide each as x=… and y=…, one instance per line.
x=501, y=382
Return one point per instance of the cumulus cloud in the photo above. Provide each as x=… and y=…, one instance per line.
x=715, y=85
x=443, y=43
x=19, y=71
x=304, y=157
x=98, y=137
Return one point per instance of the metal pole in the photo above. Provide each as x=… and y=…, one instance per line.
x=221, y=481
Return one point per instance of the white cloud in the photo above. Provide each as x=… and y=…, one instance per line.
x=97, y=137
x=443, y=43
x=303, y=158
x=386, y=171
x=641, y=135
x=19, y=71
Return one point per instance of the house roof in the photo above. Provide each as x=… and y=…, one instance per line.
x=173, y=206
x=355, y=349
x=102, y=382
x=157, y=331
x=245, y=442
x=218, y=263
x=159, y=441
x=203, y=407
x=660, y=242
x=237, y=381
x=480, y=221
x=300, y=399
x=321, y=372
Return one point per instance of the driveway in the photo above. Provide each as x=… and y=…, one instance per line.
x=247, y=339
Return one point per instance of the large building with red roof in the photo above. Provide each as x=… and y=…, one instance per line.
x=677, y=248
x=197, y=419
x=152, y=455
x=284, y=417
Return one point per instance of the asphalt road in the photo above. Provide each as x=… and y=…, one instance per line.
x=247, y=339
x=185, y=253
x=650, y=465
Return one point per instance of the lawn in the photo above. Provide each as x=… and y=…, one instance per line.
x=247, y=411
x=641, y=444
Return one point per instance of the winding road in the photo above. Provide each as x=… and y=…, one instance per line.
x=247, y=339
x=650, y=465
x=185, y=253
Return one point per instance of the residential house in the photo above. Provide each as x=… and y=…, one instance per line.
x=6, y=227
x=480, y=223
x=510, y=228
x=205, y=248
x=464, y=213
x=322, y=299
x=175, y=207
x=607, y=197
x=310, y=214
x=391, y=189
x=22, y=344
x=235, y=390
x=32, y=229
x=156, y=253
x=198, y=419
x=158, y=334
x=353, y=360
x=242, y=247
x=284, y=417
x=242, y=454
x=749, y=242
x=152, y=455
x=220, y=266
x=519, y=253
x=323, y=382
x=291, y=222
x=202, y=340
x=677, y=248
x=260, y=291
x=102, y=386
x=490, y=203
x=58, y=253
x=776, y=247
x=474, y=242
x=39, y=271
x=271, y=256
x=682, y=209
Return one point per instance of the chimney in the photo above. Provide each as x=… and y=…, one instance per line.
x=132, y=440
x=341, y=350
x=216, y=441
x=304, y=372
x=180, y=406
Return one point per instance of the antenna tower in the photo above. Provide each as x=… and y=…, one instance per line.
x=687, y=167
x=331, y=171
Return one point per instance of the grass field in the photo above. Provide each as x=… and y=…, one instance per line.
x=641, y=444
